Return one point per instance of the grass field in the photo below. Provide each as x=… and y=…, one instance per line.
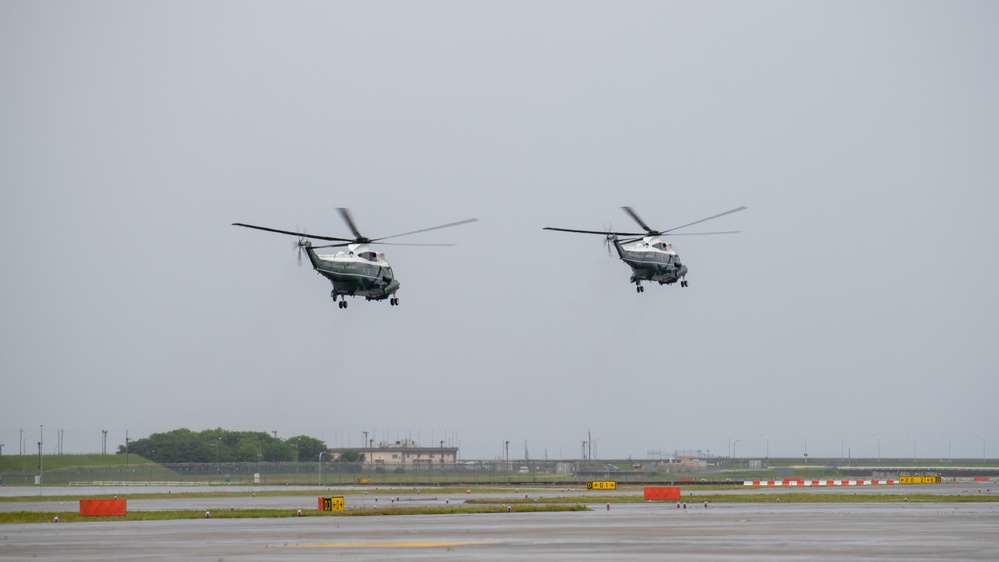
x=29, y=463
x=73, y=516
x=792, y=497
x=566, y=500
x=103, y=470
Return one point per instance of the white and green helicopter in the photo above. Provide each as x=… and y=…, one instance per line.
x=650, y=258
x=358, y=271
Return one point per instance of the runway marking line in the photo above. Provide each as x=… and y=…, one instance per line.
x=394, y=544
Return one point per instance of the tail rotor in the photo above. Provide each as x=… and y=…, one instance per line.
x=300, y=247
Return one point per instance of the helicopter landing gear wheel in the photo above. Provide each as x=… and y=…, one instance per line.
x=683, y=283
x=639, y=289
x=342, y=304
x=394, y=301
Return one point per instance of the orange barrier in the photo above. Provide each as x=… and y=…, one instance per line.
x=667, y=493
x=981, y=479
x=91, y=508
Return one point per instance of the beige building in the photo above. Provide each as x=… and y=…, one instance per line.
x=405, y=453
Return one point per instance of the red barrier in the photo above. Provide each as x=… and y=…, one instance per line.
x=981, y=479
x=667, y=493
x=91, y=508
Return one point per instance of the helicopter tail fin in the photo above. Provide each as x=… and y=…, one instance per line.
x=306, y=246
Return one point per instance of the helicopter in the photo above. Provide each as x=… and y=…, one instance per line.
x=357, y=271
x=650, y=258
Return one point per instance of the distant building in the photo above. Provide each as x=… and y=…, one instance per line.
x=682, y=464
x=405, y=454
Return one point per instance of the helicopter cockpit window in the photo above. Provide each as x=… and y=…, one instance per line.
x=370, y=256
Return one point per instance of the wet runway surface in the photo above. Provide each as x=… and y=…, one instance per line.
x=637, y=531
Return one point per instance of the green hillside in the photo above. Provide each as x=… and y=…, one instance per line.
x=29, y=463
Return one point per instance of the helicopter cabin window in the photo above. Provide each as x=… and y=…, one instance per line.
x=370, y=256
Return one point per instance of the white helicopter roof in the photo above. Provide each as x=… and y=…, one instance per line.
x=357, y=252
x=653, y=243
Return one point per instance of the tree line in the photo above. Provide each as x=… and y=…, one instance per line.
x=221, y=445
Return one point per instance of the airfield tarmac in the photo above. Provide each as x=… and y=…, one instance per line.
x=632, y=531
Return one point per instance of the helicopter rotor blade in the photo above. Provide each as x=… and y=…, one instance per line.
x=408, y=244
x=604, y=232
x=292, y=233
x=640, y=222
x=298, y=250
x=736, y=210
x=300, y=243
x=345, y=214
x=342, y=245
x=448, y=225
x=700, y=233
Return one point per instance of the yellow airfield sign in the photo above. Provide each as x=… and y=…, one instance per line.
x=919, y=479
x=331, y=503
x=601, y=485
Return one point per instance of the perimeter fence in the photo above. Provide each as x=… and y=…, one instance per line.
x=465, y=473
x=292, y=473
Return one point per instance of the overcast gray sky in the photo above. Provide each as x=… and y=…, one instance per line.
x=856, y=310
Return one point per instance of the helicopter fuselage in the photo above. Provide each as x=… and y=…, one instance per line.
x=651, y=259
x=358, y=272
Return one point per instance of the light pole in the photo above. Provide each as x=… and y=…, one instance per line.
x=805, y=440
x=321, y=453
x=734, y=443
x=840, y=445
